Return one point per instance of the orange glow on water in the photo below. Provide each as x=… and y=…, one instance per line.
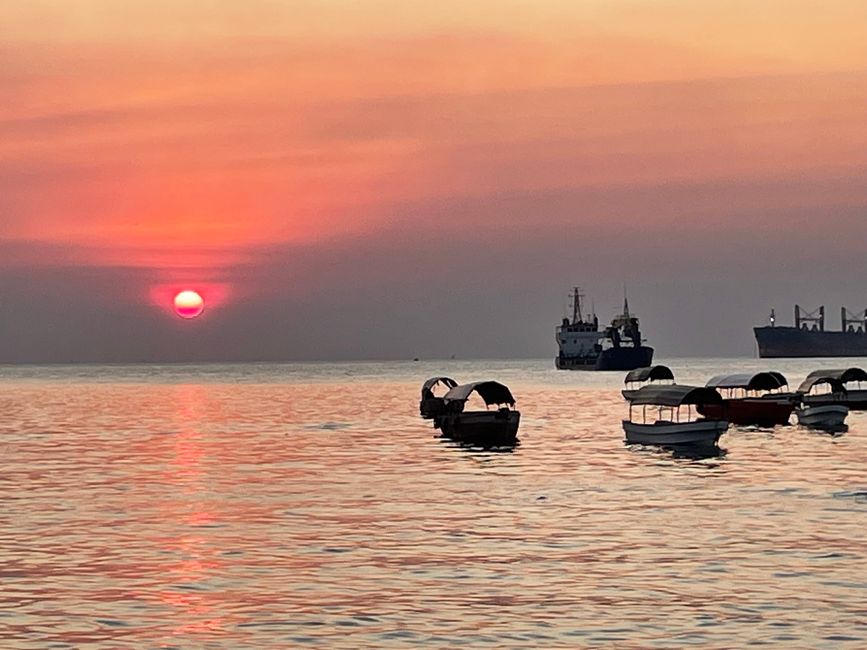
x=189, y=304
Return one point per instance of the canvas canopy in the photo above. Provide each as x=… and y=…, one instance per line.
x=758, y=381
x=653, y=373
x=780, y=377
x=428, y=386
x=808, y=384
x=844, y=375
x=674, y=395
x=492, y=392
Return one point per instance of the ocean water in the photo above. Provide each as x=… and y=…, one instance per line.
x=284, y=506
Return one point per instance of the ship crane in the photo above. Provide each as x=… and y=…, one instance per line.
x=803, y=319
x=853, y=322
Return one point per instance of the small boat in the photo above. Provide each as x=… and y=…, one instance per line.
x=823, y=403
x=759, y=399
x=825, y=418
x=430, y=405
x=853, y=395
x=651, y=376
x=488, y=428
x=665, y=423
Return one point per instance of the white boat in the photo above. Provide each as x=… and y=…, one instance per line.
x=657, y=416
x=826, y=418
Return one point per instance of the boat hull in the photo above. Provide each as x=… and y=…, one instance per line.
x=484, y=428
x=700, y=432
x=622, y=358
x=854, y=400
x=827, y=418
x=757, y=412
x=784, y=342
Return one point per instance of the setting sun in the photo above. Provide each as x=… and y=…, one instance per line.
x=189, y=304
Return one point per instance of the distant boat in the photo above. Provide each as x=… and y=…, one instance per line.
x=488, y=428
x=583, y=346
x=657, y=417
x=808, y=337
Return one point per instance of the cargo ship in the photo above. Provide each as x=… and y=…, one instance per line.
x=808, y=337
x=583, y=346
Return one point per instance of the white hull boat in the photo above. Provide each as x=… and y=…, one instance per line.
x=831, y=417
x=698, y=432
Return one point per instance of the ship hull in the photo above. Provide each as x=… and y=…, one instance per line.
x=623, y=358
x=784, y=342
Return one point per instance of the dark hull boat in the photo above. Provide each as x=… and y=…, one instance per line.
x=489, y=428
x=430, y=406
x=831, y=418
x=845, y=387
x=751, y=411
x=751, y=400
x=854, y=400
x=483, y=428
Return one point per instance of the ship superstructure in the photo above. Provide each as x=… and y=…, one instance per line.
x=579, y=340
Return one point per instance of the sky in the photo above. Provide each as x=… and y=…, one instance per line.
x=389, y=180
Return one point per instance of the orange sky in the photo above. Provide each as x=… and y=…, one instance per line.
x=217, y=124
x=200, y=135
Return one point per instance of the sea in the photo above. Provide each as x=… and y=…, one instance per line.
x=308, y=505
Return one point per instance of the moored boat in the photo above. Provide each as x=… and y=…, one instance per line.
x=488, y=428
x=831, y=417
x=662, y=419
x=759, y=399
x=658, y=375
x=851, y=392
x=431, y=405
x=822, y=402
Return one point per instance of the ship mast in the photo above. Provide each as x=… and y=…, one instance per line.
x=577, y=316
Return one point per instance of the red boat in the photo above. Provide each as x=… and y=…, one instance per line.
x=761, y=399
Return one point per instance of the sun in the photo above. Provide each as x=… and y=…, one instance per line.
x=189, y=304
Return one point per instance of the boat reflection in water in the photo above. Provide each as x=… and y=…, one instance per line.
x=682, y=452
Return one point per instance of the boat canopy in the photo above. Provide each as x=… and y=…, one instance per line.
x=844, y=375
x=493, y=392
x=430, y=384
x=674, y=395
x=758, y=381
x=652, y=373
x=780, y=377
x=808, y=384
